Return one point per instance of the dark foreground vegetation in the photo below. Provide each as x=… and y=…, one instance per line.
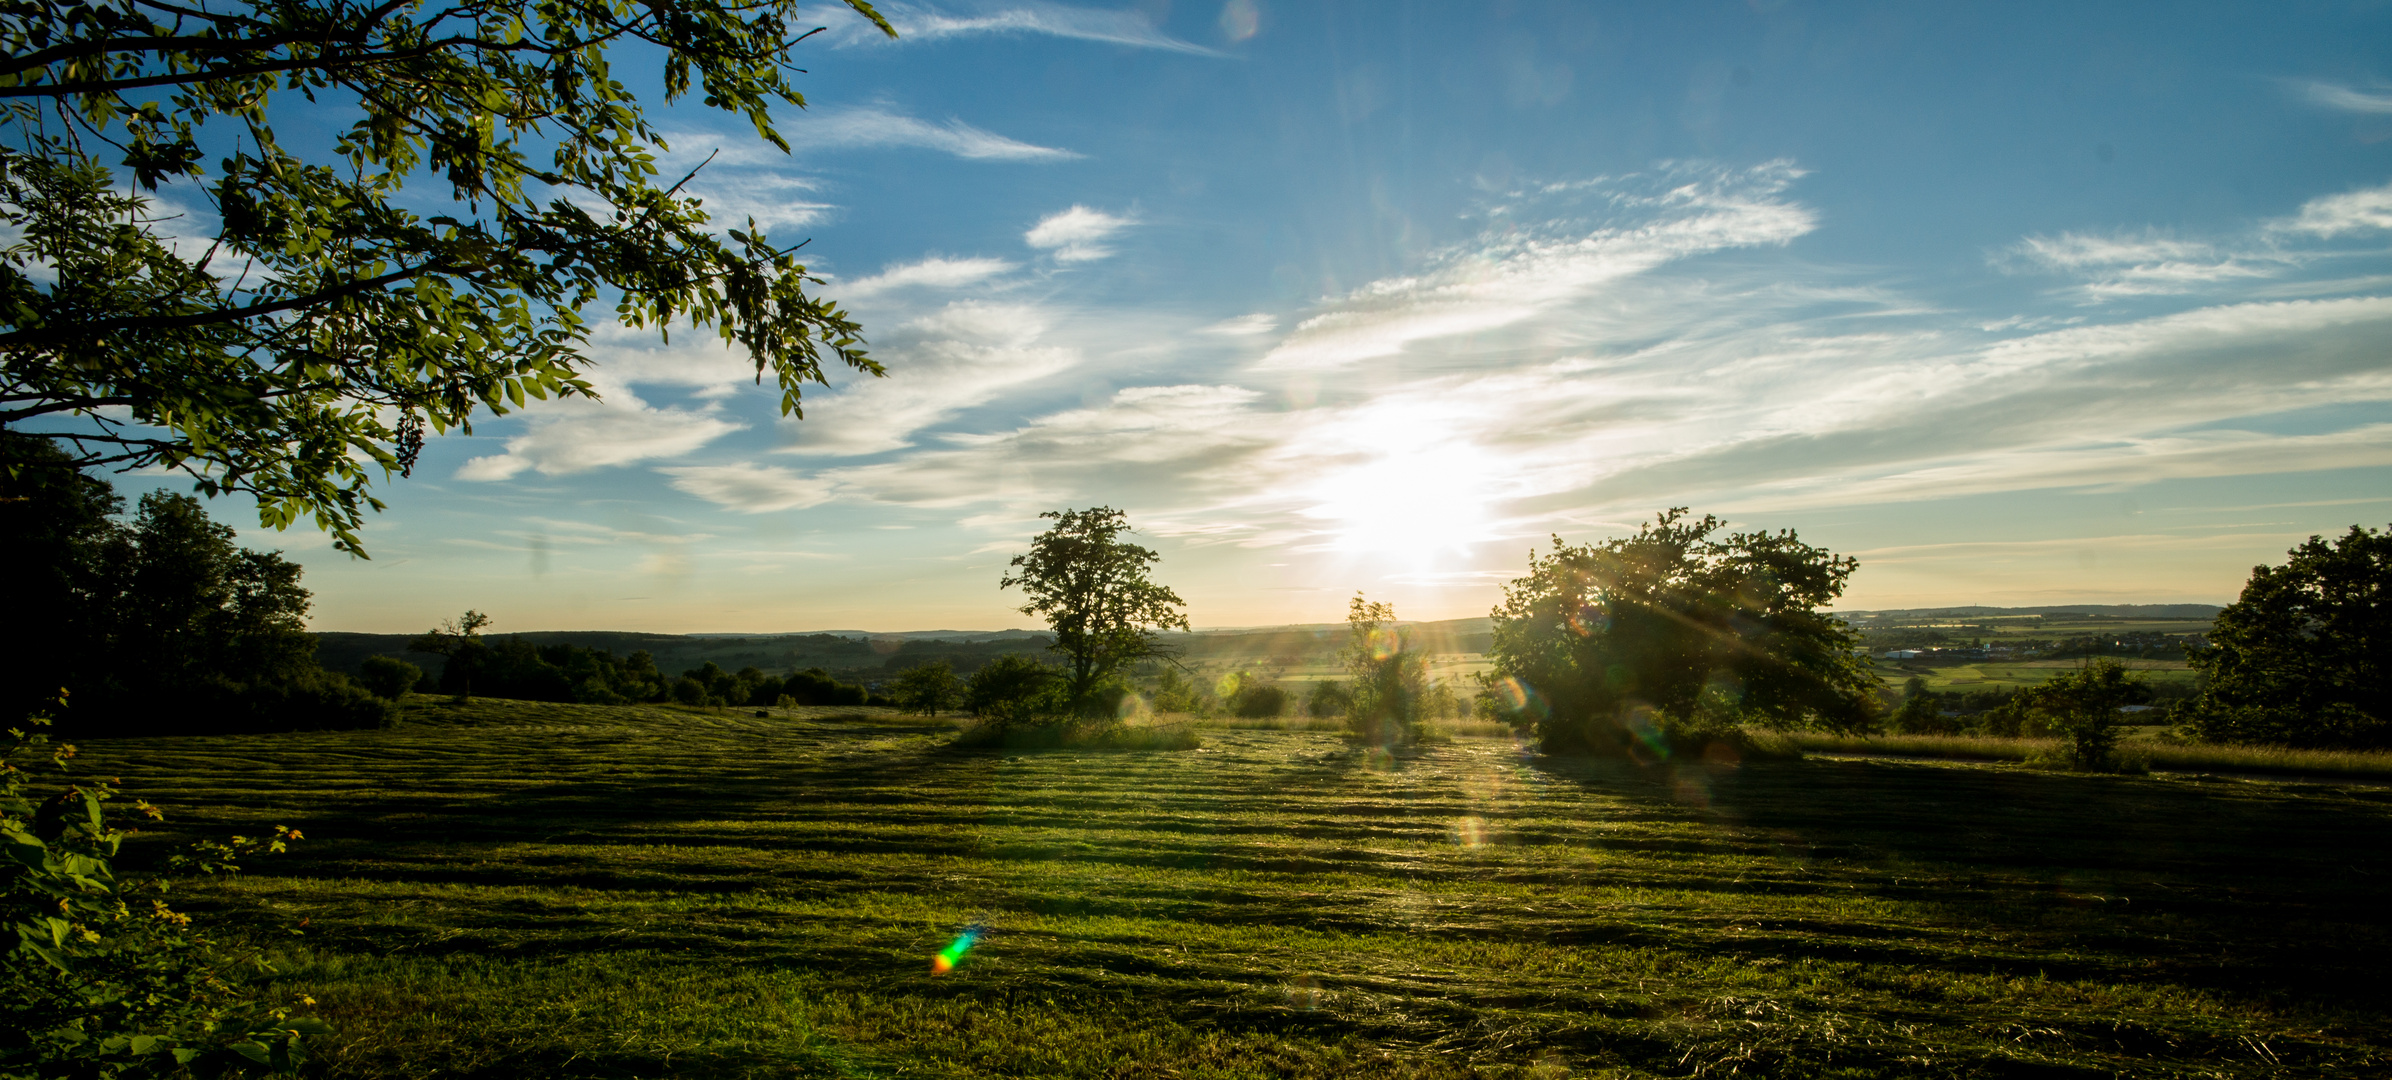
x=518, y=889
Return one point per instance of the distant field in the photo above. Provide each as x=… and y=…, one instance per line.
x=2012, y=674
x=507, y=889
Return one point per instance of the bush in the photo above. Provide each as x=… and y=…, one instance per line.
x=2082, y=706
x=1174, y=693
x=1330, y=699
x=1015, y=690
x=1390, y=676
x=1254, y=699
x=102, y=979
x=388, y=676
x=928, y=689
x=815, y=686
x=689, y=691
x=314, y=700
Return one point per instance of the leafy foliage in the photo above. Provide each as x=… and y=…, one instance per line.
x=1390, y=677
x=928, y=689
x=1253, y=697
x=162, y=624
x=1672, y=630
x=310, y=343
x=1092, y=588
x=2082, y=706
x=2304, y=656
x=100, y=978
x=389, y=676
x=1013, y=690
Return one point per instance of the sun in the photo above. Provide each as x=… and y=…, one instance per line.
x=1415, y=505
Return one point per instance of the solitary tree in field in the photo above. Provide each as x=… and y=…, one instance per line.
x=2304, y=657
x=929, y=689
x=2084, y=705
x=1092, y=588
x=1676, y=629
x=1390, y=677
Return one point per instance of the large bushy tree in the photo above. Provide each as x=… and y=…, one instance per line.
x=1677, y=628
x=1091, y=586
x=343, y=296
x=2304, y=656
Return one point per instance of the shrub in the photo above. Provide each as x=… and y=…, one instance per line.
x=1175, y=693
x=388, y=676
x=815, y=686
x=2082, y=706
x=1015, y=690
x=928, y=689
x=689, y=691
x=316, y=700
x=1254, y=699
x=1329, y=699
x=1390, y=677
x=102, y=979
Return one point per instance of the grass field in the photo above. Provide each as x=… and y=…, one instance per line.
x=508, y=889
x=2147, y=745
x=2017, y=674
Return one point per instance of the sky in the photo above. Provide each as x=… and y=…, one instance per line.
x=2018, y=303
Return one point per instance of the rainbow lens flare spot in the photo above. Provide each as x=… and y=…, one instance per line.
x=953, y=954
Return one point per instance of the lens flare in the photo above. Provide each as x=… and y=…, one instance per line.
x=953, y=954
x=1519, y=699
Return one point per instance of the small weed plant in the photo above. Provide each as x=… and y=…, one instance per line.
x=103, y=979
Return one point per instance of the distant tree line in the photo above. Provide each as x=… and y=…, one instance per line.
x=160, y=624
x=509, y=667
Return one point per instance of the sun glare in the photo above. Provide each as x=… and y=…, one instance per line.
x=1416, y=505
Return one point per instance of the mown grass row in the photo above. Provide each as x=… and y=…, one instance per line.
x=2154, y=752
x=508, y=889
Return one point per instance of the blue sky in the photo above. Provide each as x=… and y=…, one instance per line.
x=2019, y=303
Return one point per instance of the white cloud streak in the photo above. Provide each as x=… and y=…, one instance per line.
x=573, y=436
x=2365, y=210
x=876, y=126
x=964, y=355
x=1512, y=275
x=750, y=488
x=935, y=272
x=922, y=22
x=2346, y=99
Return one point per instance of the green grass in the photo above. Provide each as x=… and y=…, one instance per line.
x=2019, y=674
x=2144, y=745
x=507, y=889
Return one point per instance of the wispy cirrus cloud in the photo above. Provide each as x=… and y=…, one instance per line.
x=2375, y=100
x=2146, y=264
x=578, y=435
x=936, y=272
x=750, y=488
x=2328, y=216
x=924, y=22
x=879, y=126
x=2154, y=263
x=1531, y=260
x=963, y=355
